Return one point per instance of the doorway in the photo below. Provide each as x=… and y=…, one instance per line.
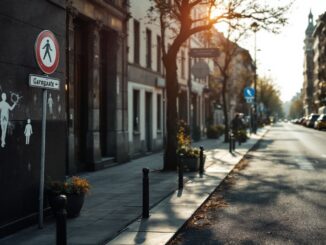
x=80, y=93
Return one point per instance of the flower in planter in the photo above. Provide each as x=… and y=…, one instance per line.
x=190, y=152
x=184, y=142
x=74, y=185
x=74, y=188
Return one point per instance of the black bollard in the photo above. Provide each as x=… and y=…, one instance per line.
x=230, y=142
x=145, y=193
x=201, y=158
x=61, y=220
x=180, y=171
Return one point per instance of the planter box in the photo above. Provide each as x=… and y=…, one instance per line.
x=190, y=164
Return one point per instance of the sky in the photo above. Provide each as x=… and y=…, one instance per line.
x=280, y=56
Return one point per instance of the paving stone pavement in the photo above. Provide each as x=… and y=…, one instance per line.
x=112, y=212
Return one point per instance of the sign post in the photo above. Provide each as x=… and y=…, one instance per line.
x=47, y=57
x=249, y=95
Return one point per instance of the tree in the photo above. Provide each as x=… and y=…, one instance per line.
x=177, y=16
x=234, y=64
x=296, y=107
x=269, y=96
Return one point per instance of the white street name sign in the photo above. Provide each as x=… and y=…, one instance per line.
x=44, y=82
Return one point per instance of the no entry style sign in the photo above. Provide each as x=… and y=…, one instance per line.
x=47, y=52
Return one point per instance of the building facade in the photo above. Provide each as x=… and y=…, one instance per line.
x=319, y=48
x=21, y=108
x=87, y=120
x=146, y=83
x=96, y=86
x=308, y=67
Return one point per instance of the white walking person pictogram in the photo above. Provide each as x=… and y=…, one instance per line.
x=28, y=131
x=50, y=103
x=4, y=117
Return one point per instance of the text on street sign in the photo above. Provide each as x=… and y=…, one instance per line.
x=44, y=82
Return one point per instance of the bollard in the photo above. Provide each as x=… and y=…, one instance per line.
x=61, y=220
x=180, y=171
x=230, y=142
x=145, y=193
x=201, y=157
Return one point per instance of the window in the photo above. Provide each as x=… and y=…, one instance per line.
x=136, y=110
x=136, y=41
x=159, y=54
x=148, y=48
x=159, y=111
x=183, y=59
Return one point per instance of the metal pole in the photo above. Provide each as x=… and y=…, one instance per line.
x=201, y=166
x=189, y=86
x=230, y=142
x=255, y=86
x=145, y=193
x=41, y=191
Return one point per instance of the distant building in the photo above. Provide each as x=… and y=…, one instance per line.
x=308, y=67
x=319, y=47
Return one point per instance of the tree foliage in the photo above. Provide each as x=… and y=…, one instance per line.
x=269, y=96
x=177, y=17
x=296, y=107
x=234, y=67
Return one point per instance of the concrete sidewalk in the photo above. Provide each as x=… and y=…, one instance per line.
x=111, y=213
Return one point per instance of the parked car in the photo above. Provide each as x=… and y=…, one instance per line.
x=320, y=123
x=311, y=120
x=303, y=121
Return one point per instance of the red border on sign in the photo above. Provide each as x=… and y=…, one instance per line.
x=40, y=37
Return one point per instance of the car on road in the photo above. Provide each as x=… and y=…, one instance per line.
x=310, y=123
x=320, y=122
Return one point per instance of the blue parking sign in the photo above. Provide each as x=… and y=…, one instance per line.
x=249, y=92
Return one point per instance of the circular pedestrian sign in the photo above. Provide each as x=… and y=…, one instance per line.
x=47, y=52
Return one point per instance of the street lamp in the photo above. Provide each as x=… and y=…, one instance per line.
x=254, y=27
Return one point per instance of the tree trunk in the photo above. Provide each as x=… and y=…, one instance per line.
x=170, y=156
x=225, y=111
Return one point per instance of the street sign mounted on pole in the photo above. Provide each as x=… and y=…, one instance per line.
x=47, y=57
x=204, y=52
x=249, y=92
x=45, y=82
x=47, y=52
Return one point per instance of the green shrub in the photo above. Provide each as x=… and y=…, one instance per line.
x=215, y=131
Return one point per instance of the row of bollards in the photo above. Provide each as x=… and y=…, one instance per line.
x=145, y=213
x=61, y=200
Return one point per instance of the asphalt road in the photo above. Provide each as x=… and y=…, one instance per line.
x=280, y=198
